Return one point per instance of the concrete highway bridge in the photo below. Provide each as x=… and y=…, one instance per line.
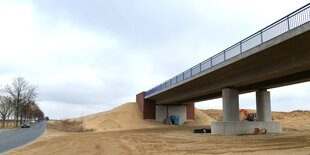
x=277, y=55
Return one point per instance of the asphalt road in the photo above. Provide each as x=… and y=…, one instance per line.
x=15, y=138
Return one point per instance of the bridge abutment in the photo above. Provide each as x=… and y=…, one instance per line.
x=159, y=112
x=231, y=123
x=147, y=107
x=165, y=111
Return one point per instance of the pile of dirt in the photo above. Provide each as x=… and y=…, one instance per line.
x=297, y=120
x=297, y=115
x=217, y=115
x=201, y=118
x=126, y=116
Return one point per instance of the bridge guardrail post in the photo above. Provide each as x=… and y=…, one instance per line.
x=191, y=72
x=261, y=36
x=288, y=23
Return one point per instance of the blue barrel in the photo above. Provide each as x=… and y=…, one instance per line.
x=175, y=120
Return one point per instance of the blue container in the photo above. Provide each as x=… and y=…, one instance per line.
x=175, y=120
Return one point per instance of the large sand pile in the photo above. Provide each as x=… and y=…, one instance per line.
x=201, y=118
x=293, y=121
x=126, y=116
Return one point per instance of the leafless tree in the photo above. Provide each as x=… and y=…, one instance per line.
x=28, y=103
x=22, y=95
x=5, y=109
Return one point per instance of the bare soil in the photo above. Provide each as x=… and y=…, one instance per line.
x=126, y=133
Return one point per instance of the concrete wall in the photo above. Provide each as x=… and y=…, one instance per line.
x=147, y=107
x=161, y=113
x=177, y=109
x=240, y=127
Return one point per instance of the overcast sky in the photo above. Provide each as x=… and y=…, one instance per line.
x=93, y=55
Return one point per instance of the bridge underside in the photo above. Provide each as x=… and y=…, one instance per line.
x=281, y=61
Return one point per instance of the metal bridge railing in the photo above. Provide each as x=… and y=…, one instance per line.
x=285, y=24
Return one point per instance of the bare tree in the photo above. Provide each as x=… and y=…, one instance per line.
x=28, y=102
x=36, y=113
x=22, y=95
x=5, y=109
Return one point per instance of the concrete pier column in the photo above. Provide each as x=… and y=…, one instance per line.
x=263, y=107
x=230, y=104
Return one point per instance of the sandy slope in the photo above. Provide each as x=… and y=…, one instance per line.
x=122, y=131
x=201, y=118
x=124, y=117
x=127, y=116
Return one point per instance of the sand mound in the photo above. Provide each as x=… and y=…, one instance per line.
x=109, y=124
x=213, y=113
x=201, y=118
x=126, y=116
x=291, y=116
x=293, y=121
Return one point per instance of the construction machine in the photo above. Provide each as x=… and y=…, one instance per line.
x=249, y=116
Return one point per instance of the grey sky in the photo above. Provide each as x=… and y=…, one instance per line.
x=91, y=56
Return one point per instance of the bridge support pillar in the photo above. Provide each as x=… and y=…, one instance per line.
x=263, y=108
x=230, y=104
x=231, y=124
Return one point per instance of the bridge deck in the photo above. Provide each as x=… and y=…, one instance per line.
x=278, y=62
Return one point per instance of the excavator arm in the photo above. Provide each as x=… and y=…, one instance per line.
x=247, y=114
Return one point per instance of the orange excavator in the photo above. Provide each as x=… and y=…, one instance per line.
x=249, y=116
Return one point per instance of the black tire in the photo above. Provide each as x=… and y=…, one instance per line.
x=263, y=131
x=208, y=130
x=203, y=130
x=197, y=131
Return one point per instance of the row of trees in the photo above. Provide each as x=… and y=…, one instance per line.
x=18, y=101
